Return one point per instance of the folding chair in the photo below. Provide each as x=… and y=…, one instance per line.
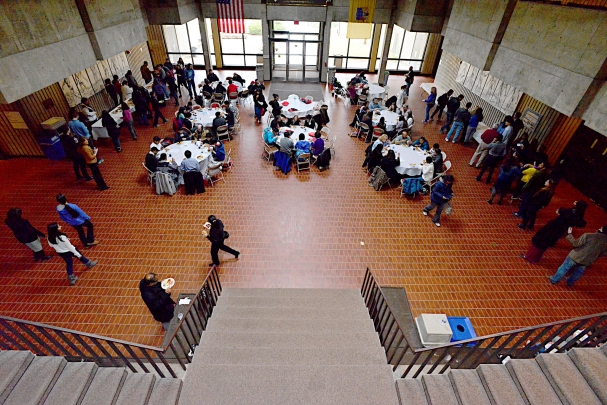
x=363, y=130
x=233, y=97
x=309, y=98
x=447, y=164
x=362, y=99
x=207, y=97
x=218, y=97
x=228, y=161
x=444, y=155
x=215, y=174
x=150, y=174
x=244, y=96
x=223, y=133
x=305, y=162
x=270, y=118
x=268, y=151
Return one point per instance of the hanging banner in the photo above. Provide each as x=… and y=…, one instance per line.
x=361, y=18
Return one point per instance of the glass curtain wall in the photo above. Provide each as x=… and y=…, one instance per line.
x=406, y=49
x=184, y=41
x=354, y=53
x=242, y=50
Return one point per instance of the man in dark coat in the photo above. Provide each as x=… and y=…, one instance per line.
x=157, y=299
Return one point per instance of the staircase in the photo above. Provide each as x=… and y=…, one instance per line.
x=26, y=379
x=289, y=346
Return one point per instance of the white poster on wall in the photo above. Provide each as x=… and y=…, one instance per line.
x=83, y=83
x=71, y=92
x=462, y=72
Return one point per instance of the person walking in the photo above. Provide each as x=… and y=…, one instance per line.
x=535, y=183
x=157, y=112
x=460, y=120
x=481, y=151
x=260, y=105
x=441, y=194
x=70, y=147
x=452, y=106
x=441, y=103
x=586, y=249
x=90, y=156
x=554, y=230
x=74, y=216
x=217, y=235
x=61, y=243
x=508, y=173
x=127, y=118
x=157, y=299
x=430, y=102
x=112, y=129
x=538, y=201
x=26, y=233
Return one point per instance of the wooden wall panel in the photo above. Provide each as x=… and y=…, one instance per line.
x=156, y=44
x=136, y=56
x=16, y=142
x=34, y=111
x=549, y=116
x=432, y=49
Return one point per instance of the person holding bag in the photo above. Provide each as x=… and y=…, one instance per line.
x=440, y=198
x=60, y=242
x=74, y=216
x=217, y=235
x=430, y=102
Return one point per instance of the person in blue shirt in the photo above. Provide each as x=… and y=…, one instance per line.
x=375, y=104
x=189, y=164
x=269, y=136
x=421, y=143
x=78, y=128
x=189, y=77
x=219, y=154
x=302, y=146
x=74, y=216
x=430, y=102
x=441, y=195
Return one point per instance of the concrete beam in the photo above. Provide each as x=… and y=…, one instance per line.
x=171, y=12
x=595, y=116
x=421, y=15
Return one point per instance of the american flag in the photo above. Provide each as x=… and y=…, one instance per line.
x=230, y=14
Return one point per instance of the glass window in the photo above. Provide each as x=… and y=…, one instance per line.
x=339, y=43
x=353, y=63
x=233, y=60
x=405, y=52
x=357, y=49
x=360, y=47
x=207, y=22
x=198, y=59
x=231, y=43
x=182, y=38
x=397, y=42
x=170, y=38
x=253, y=41
x=195, y=39
x=250, y=60
x=302, y=26
x=392, y=65
x=406, y=49
x=419, y=46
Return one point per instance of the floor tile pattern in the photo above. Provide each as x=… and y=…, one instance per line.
x=302, y=230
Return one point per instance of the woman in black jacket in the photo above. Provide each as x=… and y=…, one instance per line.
x=217, y=236
x=158, y=300
x=389, y=165
x=539, y=200
x=112, y=129
x=260, y=105
x=554, y=230
x=26, y=233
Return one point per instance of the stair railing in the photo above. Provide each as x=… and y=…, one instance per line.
x=524, y=343
x=47, y=340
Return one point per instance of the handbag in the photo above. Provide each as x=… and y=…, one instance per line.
x=448, y=210
x=226, y=235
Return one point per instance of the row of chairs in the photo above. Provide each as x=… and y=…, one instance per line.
x=220, y=97
x=307, y=159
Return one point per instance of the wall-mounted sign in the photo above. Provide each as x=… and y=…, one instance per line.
x=15, y=119
x=531, y=119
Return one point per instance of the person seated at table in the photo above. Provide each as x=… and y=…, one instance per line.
x=229, y=115
x=302, y=146
x=182, y=135
x=310, y=123
x=382, y=140
x=402, y=139
x=374, y=157
x=219, y=152
x=275, y=123
x=270, y=136
x=381, y=124
x=171, y=168
x=358, y=116
x=297, y=121
x=276, y=106
x=437, y=159
x=318, y=146
x=218, y=121
x=434, y=149
x=232, y=88
x=151, y=161
x=256, y=85
x=365, y=90
x=220, y=89
x=238, y=78
x=156, y=143
x=188, y=108
x=206, y=87
x=427, y=173
x=355, y=80
x=389, y=165
x=403, y=110
x=398, y=127
x=286, y=144
x=284, y=121
x=368, y=119
x=212, y=77
x=409, y=118
x=187, y=121
x=199, y=133
x=352, y=93
x=363, y=78
x=421, y=143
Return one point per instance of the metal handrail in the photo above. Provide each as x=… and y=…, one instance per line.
x=47, y=340
x=528, y=342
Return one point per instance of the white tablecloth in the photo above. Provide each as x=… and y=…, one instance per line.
x=204, y=116
x=410, y=160
x=303, y=109
x=226, y=84
x=297, y=130
x=375, y=91
x=390, y=117
x=177, y=150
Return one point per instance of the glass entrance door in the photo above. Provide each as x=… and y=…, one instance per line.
x=295, y=50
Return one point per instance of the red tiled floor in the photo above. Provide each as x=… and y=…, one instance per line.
x=300, y=230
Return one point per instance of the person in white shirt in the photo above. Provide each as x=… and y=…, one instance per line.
x=85, y=107
x=62, y=245
x=127, y=91
x=401, y=97
x=427, y=173
x=409, y=117
x=157, y=143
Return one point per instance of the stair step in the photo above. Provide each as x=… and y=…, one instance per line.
x=275, y=356
x=290, y=302
x=566, y=379
x=136, y=389
x=72, y=384
x=291, y=313
x=217, y=324
x=293, y=340
x=439, y=390
x=499, y=385
x=531, y=381
x=468, y=387
x=105, y=386
x=13, y=364
x=37, y=381
x=592, y=364
x=411, y=391
x=310, y=293
x=310, y=385
x=165, y=392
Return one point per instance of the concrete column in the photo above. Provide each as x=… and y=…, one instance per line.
x=265, y=33
x=216, y=43
x=205, y=44
x=374, y=47
x=325, y=45
x=386, y=51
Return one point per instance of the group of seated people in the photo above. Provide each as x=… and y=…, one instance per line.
x=364, y=114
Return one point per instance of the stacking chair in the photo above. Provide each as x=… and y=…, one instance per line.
x=218, y=97
x=309, y=98
x=227, y=162
x=447, y=164
x=444, y=155
x=377, y=132
x=303, y=164
x=215, y=105
x=233, y=97
x=356, y=127
x=150, y=174
x=223, y=134
x=363, y=130
x=207, y=97
x=270, y=118
x=244, y=96
x=331, y=146
x=196, y=107
x=215, y=174
x=362, y=99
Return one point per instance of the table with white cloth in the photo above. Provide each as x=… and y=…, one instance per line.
x=176, y=152
x=375, y=91
x=302, y=109
x=298, y=130
x=391, y=118
x=205, y=116
x=411, y=159
x=99, y=131
x=225, y=85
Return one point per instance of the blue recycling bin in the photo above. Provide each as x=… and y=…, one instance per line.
x=51, y=146
x=462, y=328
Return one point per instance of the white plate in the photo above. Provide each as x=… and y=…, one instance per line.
x=167, y=283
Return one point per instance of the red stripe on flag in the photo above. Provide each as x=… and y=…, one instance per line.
x=231, y=17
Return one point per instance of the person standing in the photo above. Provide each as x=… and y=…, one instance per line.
x=441, y=194
x=127, y=118
x=586, y=249
x=441, y=104
x=473, y=124
x=452, y=106
x=508, y=173
x=260, y=105
x=217, y=235
x=111, y=91
x=78, y=128
x=430, y=102
x=126, y=91
x=460, y=120
x=535, y=183
x=157, y=299
x=146, y=73
x=130, y=79
x=26, y=233
x=189, y=77
x=497, y=151
x=117, y=87
x=538, y=201
x=90, y=156
x=112, y=129
x=410, y=79
x=60, y=242
x=70, y=148
x=74, y=216
x=157, y=112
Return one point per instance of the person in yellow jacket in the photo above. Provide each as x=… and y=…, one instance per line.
x=90, y=156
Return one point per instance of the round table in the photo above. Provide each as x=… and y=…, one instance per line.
x=297, y=130
x=176, y=152
x=375, y=91
x=410, y=160
x=390, y=117
x=205, y=116
x=302, y=108
x=226, y=84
